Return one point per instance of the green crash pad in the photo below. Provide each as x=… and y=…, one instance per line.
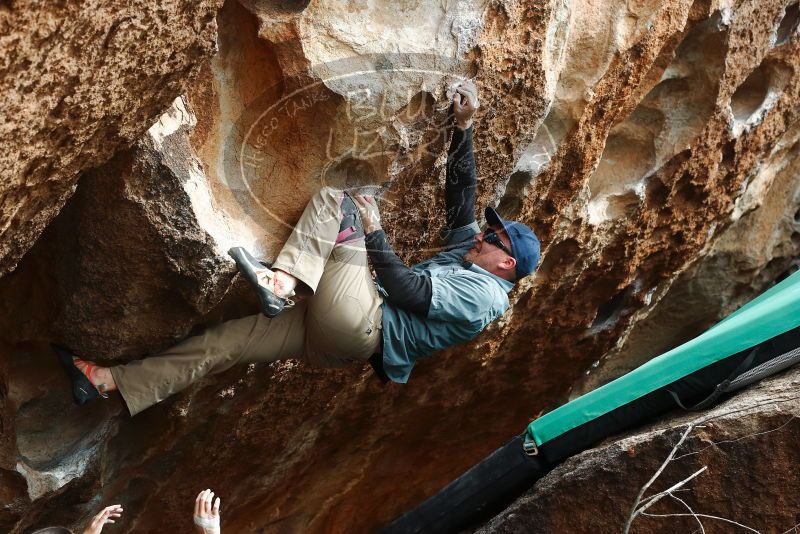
x=774, y=312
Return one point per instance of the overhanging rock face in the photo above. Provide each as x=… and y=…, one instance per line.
x=759, y=246
x=80, y=80
x=645, y=144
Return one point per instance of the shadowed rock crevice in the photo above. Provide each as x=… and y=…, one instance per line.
x=609, y=313
x=790, y=21
x=52, y=453
x=758, y=94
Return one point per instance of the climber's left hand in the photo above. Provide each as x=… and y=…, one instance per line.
x=370, y=215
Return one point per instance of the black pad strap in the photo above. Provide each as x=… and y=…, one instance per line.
x=721, y=387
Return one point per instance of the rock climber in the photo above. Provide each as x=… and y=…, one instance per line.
x=338, y=313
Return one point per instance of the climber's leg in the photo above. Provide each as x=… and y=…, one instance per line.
x=343, y=322
x=305, y=254
x=252, y=339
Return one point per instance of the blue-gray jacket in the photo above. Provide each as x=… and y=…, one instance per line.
x=465, y=298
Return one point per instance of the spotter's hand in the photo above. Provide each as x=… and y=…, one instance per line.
x=206, y=514
x=106, y=515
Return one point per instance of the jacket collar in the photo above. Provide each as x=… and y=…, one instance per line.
x=505, y=284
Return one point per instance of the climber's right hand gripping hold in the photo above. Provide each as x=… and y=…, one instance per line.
x=465, y=103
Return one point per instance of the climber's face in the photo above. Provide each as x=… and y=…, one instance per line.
x=488, y=254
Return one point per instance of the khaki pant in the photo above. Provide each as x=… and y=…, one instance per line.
x=339, y=323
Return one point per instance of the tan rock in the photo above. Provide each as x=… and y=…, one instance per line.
x=630, y=136
x=80, y=80
x=759, y=247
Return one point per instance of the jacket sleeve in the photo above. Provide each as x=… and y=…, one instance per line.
x=461, y=180
x=405, y=288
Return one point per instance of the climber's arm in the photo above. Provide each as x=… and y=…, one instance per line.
x=405, y=288
x=461, y=178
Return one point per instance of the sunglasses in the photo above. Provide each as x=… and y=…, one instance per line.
x=491, y=237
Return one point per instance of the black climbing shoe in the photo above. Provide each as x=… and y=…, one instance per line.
x=350, y=227
x=270, y=304
x=83, y=390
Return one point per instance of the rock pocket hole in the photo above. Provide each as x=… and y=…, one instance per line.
x=687, y=193
x=609, y=313
x=349, y=173
x=758, y=94
x=789, y=23
x=624, y=205
x=558, y=258
x=751, y=95
x=511, y=203
x=656, y=194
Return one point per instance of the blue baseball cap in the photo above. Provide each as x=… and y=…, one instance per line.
x=524, y=243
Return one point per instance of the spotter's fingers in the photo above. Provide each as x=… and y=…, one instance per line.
x=207, y=503
x=198, y=503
